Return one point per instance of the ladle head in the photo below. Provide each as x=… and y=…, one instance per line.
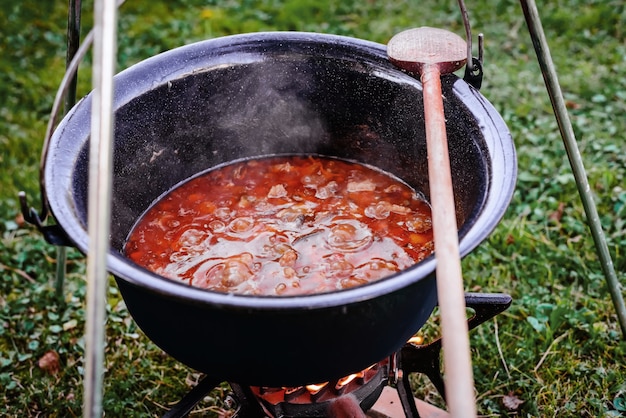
x=414, y=49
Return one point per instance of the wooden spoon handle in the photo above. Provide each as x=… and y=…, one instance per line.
x=459, y=382
x=431, y=52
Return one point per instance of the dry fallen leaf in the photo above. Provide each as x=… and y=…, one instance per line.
x=572, y=105
x=192, y=379
x=511, y=402
x=50, y=362
x=558, y=214
x=510, y=239
x=19, y=219
x=70, y=324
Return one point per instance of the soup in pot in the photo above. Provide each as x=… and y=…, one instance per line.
x=285, y=225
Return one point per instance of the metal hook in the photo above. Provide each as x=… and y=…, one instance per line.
x=473, y=68
x=468, y=34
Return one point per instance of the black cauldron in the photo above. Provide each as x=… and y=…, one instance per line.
x=192, y=108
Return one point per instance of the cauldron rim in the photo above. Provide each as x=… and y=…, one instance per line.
x=175, y=64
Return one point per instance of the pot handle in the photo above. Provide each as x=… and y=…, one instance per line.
x=53, y=234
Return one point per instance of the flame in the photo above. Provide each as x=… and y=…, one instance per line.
x=314, y=388
x=344, y=381
x=416, y=339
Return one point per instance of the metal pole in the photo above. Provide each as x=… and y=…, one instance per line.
x=99, y=216
x=73, y=41
x=567, y=133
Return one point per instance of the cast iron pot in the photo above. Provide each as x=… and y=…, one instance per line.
x=193, y=108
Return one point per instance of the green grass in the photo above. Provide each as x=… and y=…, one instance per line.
x=562, y=352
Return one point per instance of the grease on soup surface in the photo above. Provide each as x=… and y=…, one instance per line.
x=284, y=226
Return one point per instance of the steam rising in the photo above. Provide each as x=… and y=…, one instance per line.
x=265, y=111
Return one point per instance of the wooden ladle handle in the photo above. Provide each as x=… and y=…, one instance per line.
x=430, y=53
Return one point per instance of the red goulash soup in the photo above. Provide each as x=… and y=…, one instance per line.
x=284, y=226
